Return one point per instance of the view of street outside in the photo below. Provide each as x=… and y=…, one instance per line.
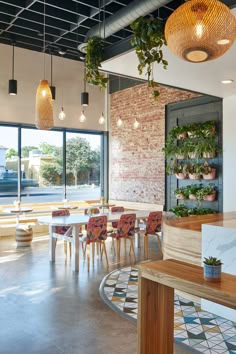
x=42, y=166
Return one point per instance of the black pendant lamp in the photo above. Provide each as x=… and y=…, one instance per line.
x=52, y=88
x=12, y=87
x=84, y=95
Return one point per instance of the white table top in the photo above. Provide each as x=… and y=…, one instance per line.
x=80, y=219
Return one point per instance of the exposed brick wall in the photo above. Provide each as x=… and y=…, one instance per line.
x=137, y=168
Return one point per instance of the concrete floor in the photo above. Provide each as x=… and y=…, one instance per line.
x=46, y=308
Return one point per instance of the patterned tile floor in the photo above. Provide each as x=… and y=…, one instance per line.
x=201, y=330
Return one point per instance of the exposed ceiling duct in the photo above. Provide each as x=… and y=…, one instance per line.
x=125, y=17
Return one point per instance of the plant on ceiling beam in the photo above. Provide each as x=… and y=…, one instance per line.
x=148, y=39
x=93, y=59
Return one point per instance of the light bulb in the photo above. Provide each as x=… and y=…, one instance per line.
x=199, y=30
x=62, y=114
x=101, y=119
x=44, y=93
x=136, y=124
x=82, y=117
x=119, y=122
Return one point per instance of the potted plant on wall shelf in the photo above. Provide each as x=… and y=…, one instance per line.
x=212, y=269
x=148, y=39
x=180, y=170
x=208, y=172
x=178, y=133
x=194, y=171
x=209, y=193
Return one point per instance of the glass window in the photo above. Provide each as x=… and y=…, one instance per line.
x=83, y=156
x=8, y=164
x=41, y=166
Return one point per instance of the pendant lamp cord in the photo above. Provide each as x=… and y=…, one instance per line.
x=104, y=18
x=99, y=17
x=44, y=46
x=13, y=60
x=84, y=77
x=51, y=69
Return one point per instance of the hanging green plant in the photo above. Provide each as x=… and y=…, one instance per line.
x=93, y=59
x=148, y=39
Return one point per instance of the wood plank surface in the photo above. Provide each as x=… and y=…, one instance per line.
x=189, y=278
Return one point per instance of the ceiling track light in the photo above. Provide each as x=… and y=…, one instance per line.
x=52, y=88
x=44, y=109
x=12, y=87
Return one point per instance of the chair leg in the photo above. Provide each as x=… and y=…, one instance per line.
x=70, y=249
x=105, y=251
x=93, y=250
x=159, y=244
x=132, y=247
x=118, y=247
x=65, y=250
x=146, y=245
x=113, y=245
x=88, y=256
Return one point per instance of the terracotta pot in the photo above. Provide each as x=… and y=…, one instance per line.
x=193, y=176
x=209, y=155
x=210, y=197
x=179, y=196
x=182, y=136
x=192, y=155
x=192, y=197
x=179, y=157
x=180, y=176
x=211, y=175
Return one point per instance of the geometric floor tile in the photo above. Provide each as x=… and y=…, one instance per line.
x=204, y=332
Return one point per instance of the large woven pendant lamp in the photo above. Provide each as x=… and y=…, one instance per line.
x=44, y=109
x=200, y=30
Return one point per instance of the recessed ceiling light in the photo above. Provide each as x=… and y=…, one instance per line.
x=228, y=81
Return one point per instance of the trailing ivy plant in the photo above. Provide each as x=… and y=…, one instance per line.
x=93, y=59
x=148, y=39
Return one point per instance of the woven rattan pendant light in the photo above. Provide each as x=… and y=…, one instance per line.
x=200, y=30
x=44, y=109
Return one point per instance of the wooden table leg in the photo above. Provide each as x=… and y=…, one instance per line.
x=52, y=244
x=155, y=318
x=75, y=248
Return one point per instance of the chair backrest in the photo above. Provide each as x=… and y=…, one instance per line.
x=92, y=210
x=126, y=225
x=62, y=212
x=116, y=209
x=97, y=229
x=153, y=224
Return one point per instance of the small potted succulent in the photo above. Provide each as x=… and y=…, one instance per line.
x=178, y=133
x=212, y=269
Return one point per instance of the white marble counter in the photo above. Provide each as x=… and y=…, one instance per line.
x=219, y=240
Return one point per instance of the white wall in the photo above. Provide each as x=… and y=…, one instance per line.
x=229, y=153
x=67, y=74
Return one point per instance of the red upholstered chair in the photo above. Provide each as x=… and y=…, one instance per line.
x=113, y=226
x=125, y=230
x=63, y=232
x=153, y=227
x=96, y=233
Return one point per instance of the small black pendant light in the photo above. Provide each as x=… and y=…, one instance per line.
x=52, y=88
x=84, y=95
x=12, y=87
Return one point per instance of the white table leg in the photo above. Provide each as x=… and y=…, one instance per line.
x=52, y=244
x=75, y=248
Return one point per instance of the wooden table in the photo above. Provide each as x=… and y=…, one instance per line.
x=157, y=281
